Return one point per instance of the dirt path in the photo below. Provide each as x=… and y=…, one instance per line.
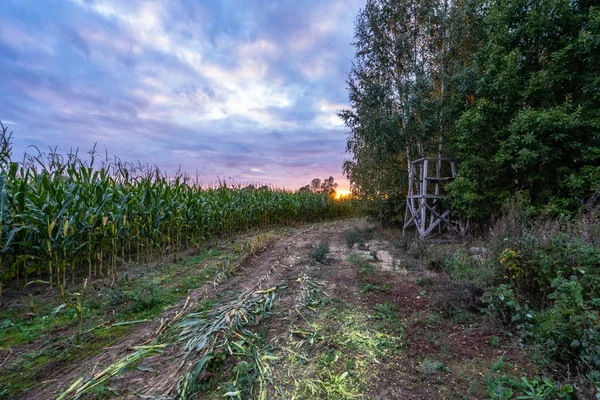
x=363, y=322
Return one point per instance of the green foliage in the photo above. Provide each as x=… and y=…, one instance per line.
x=320, y=253
x=538, y=388
x=508, y=86
x=387, y=313
x=365, y=265
x=551, y=292
x=374, y=287
x=532, y=124
x=462, y=267
x=429, y=367
x=499, y=388
x=543, y=388
x=352, y=236
x=145, y=298
x=426, y=281
x=400, y=84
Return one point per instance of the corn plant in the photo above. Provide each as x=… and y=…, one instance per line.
x=66, y=218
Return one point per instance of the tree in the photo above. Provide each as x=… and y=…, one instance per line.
x=315, y=185
x=326, y=186
x=509, y=88
x=534, y=124
x=400, y=92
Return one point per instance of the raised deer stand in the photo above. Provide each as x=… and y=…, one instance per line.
x=424, y=207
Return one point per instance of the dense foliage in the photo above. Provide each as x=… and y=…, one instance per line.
x=546, y=286
x=534, y=124
x=64, y=217
x=508, y=88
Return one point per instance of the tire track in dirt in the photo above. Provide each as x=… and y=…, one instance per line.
x=282, y=262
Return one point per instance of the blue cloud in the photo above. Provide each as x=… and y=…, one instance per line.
x=247, y=90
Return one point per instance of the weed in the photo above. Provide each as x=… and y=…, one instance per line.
x=426, y=281
x=320, y=253
x=459, y=316
x=499, y=388
x=369, y=287
x=388, y=314
x=401, y=243
x=352, y=236
x=373, y=254
x=364, y=264
x=385, y=311
x=461, y=267
x=433, y=318
x=495, y=342
x=428, y=367
x=503, y=387
x=367, y=269
x=145, y=298
x=497, y=366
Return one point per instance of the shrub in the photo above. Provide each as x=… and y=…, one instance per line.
x=551, y=289
x=352, y=236
x=320, y=253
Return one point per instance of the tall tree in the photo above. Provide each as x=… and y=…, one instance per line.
x=398, y=89
x=326, y=186
x=534, y=123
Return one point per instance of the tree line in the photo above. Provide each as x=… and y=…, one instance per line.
x=510, y=89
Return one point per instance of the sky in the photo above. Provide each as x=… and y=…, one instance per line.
x=241, y=90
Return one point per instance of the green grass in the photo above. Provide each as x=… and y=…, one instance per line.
x=338, y=364
x=365, y=265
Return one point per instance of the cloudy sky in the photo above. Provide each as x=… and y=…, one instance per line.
x=245, y=90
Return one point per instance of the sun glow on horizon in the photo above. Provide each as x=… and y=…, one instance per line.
x=342, y=193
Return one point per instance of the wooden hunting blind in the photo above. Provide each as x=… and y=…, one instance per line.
x=424, y=208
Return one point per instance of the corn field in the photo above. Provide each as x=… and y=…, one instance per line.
x=64, y=218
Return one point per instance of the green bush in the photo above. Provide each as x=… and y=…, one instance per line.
x=320, y=253
x=551, y=289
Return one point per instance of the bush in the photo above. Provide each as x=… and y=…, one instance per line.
x=551, y=289
x=320, y=253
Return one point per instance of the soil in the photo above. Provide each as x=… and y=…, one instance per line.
x=439, y=321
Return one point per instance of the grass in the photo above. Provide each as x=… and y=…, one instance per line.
x=312, y=345
x=365, y=265
x=335, y=364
